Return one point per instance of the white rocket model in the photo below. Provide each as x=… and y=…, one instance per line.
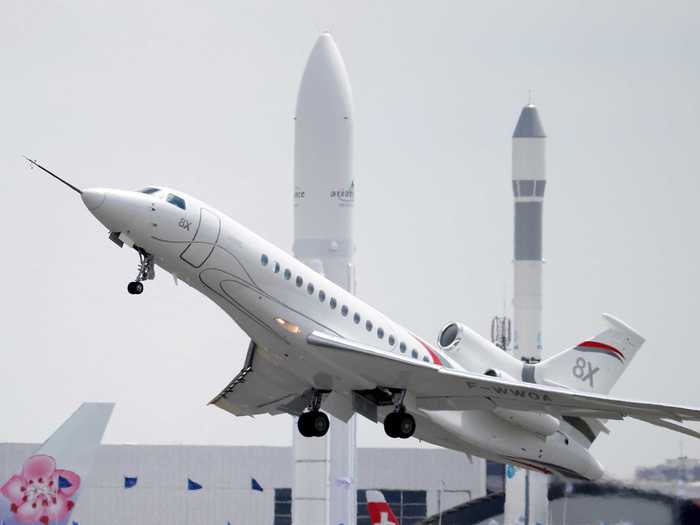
x=526, y=492
x=324, y=193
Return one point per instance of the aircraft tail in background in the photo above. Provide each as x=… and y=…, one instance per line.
x=46, y=487
x=380, y=512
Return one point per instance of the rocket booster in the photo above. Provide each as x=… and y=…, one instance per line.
x=529, y=179
x=324, y=195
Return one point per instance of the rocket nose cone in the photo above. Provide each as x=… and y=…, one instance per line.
x=325, y=85
x=93, y=199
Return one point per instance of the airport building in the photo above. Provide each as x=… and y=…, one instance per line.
x=584, y=503
x=237, y=485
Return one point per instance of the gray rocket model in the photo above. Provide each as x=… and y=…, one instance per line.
x=529, y=181
x=324, y=194
x=526, y=492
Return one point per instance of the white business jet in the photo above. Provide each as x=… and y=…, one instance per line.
x=315, y=347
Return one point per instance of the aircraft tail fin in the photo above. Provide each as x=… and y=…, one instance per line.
x=48, y=483
x=379, y=510
x=595, y=364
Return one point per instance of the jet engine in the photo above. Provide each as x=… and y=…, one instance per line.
x=478, y=355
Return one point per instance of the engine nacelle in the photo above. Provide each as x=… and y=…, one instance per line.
x=479, y=355
x=474, y=352
x=537, y=422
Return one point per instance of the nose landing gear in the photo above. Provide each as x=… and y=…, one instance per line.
x=147, y=271
x=135, y=287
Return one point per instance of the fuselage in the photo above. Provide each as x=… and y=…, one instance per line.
x=278, y=301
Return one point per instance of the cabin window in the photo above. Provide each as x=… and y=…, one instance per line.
x=310, y=288
x=392, y=340
x=368, y=325
x=356, y=318
x=321, y=295
x=176, y=201
x=425, y=358
x=380, y=332
x=276, y=268
x=264, y=260
x=287, y=274
x=333, y=303
x=402, y=347
x=344, y=310
x=300, y=281
x=414, y=353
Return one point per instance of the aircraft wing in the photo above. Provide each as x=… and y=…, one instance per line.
x=439, y=388
x=263, y=387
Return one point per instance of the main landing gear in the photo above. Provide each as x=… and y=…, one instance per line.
x=147, y=271
x=314, y=423
x=399, y=423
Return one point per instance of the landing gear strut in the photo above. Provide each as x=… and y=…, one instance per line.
x=147, y=271
x=399, y=423
x=314, y=423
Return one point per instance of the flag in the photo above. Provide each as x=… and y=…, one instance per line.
x=130, y=482
x=254, y=485
x=193, y=485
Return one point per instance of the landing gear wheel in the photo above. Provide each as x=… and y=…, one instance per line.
x=399, y=425
x=135, y=288
x=390, y=425
x=304, y=426
x=406, y=425
x=313, y=424
x=321, y=424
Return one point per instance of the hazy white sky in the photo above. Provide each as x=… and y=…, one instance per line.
x=201, y=97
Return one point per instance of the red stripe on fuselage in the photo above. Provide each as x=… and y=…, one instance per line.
x=602, y=346
x=433, y=353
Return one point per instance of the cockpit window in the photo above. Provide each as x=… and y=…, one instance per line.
x=149, y=190
x=177, y=201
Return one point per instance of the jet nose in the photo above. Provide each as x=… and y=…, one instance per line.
x=93, y=199
x=117, y=210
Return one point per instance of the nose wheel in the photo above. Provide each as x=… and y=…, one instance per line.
x=135, y=287
x=147, y=271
